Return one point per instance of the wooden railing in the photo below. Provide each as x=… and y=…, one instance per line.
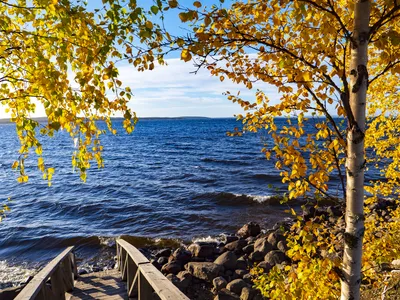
x=61, y=271
x=143, y=279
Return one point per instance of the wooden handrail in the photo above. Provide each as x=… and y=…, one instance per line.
x=143, y=279
x=61, y=271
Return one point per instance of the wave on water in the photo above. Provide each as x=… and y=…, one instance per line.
x=231, y=199
x=11, y=276
x=226, y=161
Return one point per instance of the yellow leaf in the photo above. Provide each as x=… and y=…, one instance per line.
x=185, y=55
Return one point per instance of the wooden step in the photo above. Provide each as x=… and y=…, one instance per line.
x=99, y=285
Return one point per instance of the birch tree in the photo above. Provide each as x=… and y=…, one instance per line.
x=315, y=52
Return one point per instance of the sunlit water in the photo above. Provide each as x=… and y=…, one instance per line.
x=172, y=178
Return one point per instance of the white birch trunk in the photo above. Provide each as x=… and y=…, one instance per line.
x=355, y=162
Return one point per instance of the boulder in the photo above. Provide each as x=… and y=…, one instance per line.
x=226, y=239
x=248, y=249
x=240, y=273
x=396, y=264
x=162, y=260
x=282, y=246
x=219, y=283
x=236, y=286
x=266, y=266
x=242, y=263
x=262, y=245
x=225, y=294
x=181, y=255
x=236, y=246
x=249, y=229
x=256, y=256
x=185, y=279
x=247, y=293
x=202, y=249
x=227, y=259
x=276, y=257
x=274, y=238
x=163, y=252
x=203, y=270
x=172, y=268
x=156, y=264
x=248, y=279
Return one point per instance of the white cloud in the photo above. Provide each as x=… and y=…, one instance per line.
x=173, y=90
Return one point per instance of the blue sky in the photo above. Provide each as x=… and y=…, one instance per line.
x=172, y=91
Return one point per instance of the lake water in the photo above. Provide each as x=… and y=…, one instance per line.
x=171, y=178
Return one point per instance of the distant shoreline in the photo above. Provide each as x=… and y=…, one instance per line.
x=43, y=119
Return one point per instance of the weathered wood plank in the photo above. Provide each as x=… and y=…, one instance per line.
x=34, y=286
x=99, y=285
x=57, y=284
x=161, y=285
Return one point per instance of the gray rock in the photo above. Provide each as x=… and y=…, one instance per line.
x=229, y=238
x=203, y=270
x=173, y=278
x=227, y=259
x=241, y=264
x=163, y=252
x=249, y=229
x=282, y=246
x=247, y=293
x=274, y=238
x=202, y=250
x=248, y=249
x=256, y=256
x=162, y=260
x=185, y=279
x=240, y=273
x=262, y=245
x=236, y=246
x=219, y=283
x=225, y=294
x=172, y=268
x=265, y=266
x=236, y=286
x=396, y=263
x=248, y=279
x=181, y=255
x=276, y=257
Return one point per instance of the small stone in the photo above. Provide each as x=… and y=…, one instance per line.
x=229, y=238
x=282, y=246
x=185, y=279
x=173, y=278
x=203, y=270
x=241, y=263
x=154, y=263
x=249, y=229
x=236, y=246
x=219, y=283
x=240, y=273
x=248, y=249
x=266, y=266
x=172, y=268
x=396, y=263
x=262, y=245
x=247, y=293
x=162, y=260
x=163, y=252
x=256, y=256
x=274, y=238
x=182, y=255
x=225, y=294
x=202, y=250
x=227, y=259
x=248, y=279
x=275, y=257
x=236, y=286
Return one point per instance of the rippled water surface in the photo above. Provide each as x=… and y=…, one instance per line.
x=172, y=178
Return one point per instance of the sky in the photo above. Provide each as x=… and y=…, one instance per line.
x=172, y=90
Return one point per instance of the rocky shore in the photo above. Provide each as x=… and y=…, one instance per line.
x=219, y=268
